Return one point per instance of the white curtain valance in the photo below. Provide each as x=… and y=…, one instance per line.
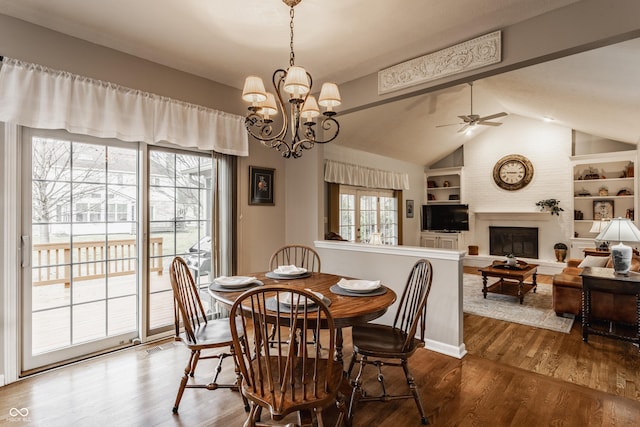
x=361, y=176
x=38, y=97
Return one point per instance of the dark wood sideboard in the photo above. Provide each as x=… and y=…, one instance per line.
x=605, y=280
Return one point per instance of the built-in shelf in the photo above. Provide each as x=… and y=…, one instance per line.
x=444, y=186
x=614, y=173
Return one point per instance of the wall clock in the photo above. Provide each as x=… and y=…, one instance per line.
x=513, y=172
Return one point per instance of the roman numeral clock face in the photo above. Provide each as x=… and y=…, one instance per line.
x=512, y=172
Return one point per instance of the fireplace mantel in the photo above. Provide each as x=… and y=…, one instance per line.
x=513, y=216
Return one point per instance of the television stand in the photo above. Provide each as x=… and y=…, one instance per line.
x=442, y=239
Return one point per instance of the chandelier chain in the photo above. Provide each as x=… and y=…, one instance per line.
x=292, y=56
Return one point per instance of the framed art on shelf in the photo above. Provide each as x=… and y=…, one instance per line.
x=261, y=181
x=409, y=208
x=603, y=209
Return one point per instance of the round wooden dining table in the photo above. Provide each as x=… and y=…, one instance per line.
x=347, y=310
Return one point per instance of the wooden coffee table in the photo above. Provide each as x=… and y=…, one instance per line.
x=511, y=279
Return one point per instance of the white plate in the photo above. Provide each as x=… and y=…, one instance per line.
x=285, y=298
x=234, y=281
x=359, y=286
x=290, y=270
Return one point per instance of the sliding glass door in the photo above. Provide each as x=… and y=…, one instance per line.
x=80, y=246
x=180, y=224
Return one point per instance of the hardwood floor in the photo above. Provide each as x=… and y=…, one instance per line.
x=514, y=375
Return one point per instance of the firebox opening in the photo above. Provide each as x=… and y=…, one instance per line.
x=519, y=241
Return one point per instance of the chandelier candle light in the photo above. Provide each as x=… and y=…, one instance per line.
x=295, y=84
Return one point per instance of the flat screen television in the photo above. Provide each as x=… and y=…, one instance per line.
x=447, y=218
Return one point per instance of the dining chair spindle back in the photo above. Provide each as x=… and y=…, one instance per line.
x=289, y=375
x=199, y=333
x=395, y=344
x=298, y=255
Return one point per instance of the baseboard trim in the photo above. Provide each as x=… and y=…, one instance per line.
x=446, y=349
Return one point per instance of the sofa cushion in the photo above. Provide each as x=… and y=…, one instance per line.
x=594, y=261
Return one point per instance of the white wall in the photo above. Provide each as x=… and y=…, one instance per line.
x=548, y=147
x=411, y=226
x=260, y=228
x=392, y=265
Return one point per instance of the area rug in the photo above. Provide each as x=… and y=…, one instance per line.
x=536, y=310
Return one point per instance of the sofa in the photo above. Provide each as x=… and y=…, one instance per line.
x=567, y=293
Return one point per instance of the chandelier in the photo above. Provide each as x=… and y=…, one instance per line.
x=293, y=84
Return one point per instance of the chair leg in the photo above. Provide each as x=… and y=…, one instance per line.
x=356, y=392
x=239, y=378
x=214, y=382
x=196, y=358
x=183, y=382
x=254, y=415
x=354, y=358
x=381, y=378
x=414, y=392
x=342, y=412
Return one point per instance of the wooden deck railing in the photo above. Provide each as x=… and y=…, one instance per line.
x=52, y=262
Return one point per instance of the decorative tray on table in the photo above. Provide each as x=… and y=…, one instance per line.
x=521, y=265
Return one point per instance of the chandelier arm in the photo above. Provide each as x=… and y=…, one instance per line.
x=328, y=124
x=263, y=131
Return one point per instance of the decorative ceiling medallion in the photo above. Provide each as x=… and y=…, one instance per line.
x=469, y=55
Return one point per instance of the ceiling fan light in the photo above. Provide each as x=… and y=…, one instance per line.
x=329, y=96
x=253, y=90
x=297, y=82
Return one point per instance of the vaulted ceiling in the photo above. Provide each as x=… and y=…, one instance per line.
x=595, y=92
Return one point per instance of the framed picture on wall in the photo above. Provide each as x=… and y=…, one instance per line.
x=409, y=208
x=603, y=209
x=261, y=181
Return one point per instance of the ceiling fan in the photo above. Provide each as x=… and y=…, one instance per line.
x=474, y=119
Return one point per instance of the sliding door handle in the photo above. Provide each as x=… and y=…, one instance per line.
x=26, y=251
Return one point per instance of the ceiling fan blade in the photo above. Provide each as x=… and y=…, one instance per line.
x=466, y=119
x=463, y=128
x=493, y=116
x=450, y=124
x=489, y=123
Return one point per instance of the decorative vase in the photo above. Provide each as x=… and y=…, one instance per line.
x=621, y=256
x=561, y=254
x=511, y=261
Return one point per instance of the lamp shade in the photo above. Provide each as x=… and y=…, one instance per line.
x=253, y=90
x=329, y=96
x=268, y=107
x=297, y=82
x=310, y=108
x=598, y=226
x=620, y=230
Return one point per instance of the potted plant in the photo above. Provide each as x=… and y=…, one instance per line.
x=551, y=205
x=561, y=251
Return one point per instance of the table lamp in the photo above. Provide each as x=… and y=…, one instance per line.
x=620, y=230
x=597, y=227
